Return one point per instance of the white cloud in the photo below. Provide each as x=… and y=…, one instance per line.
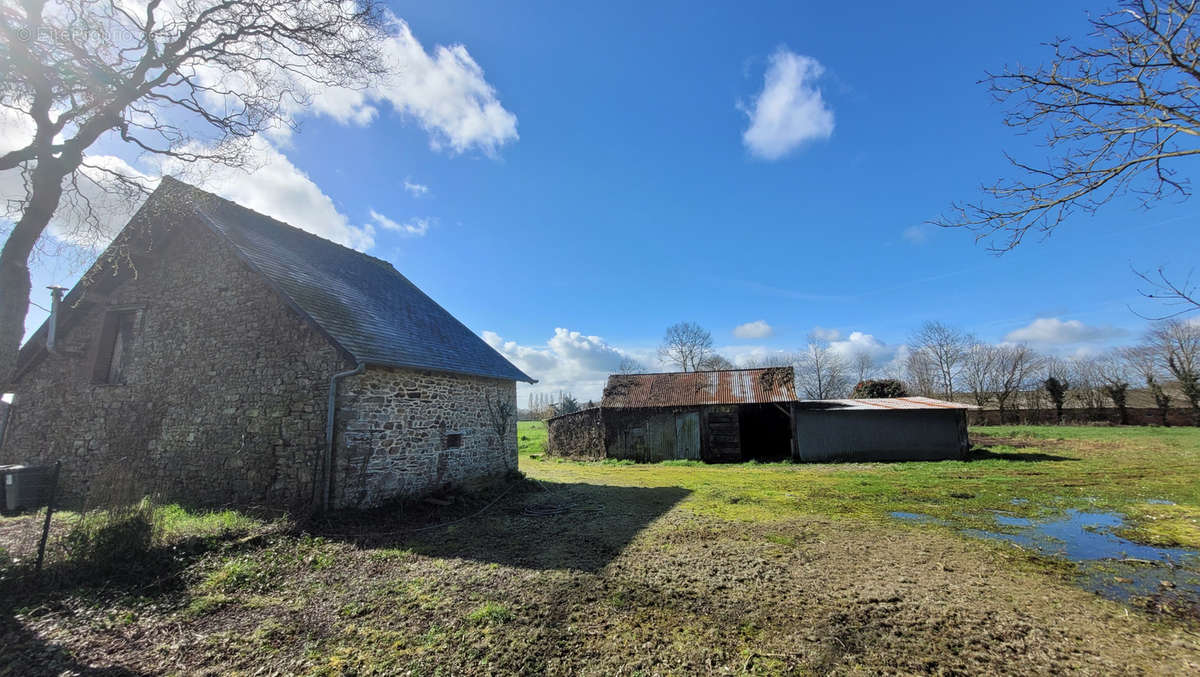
x=569, y=361
x=271, y=184
x=859, y=342
x=790, y=109
x=916, y=234
x=415, y=189
x=414, y=227
x=444, y=91
x=825, y=334
x=754, y=330
x=1053, y=331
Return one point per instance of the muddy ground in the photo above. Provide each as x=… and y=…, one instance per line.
x=628, y=581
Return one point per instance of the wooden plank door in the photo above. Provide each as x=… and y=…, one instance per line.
x=687, y=435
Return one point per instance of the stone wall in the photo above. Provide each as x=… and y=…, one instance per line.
x=225, y=394
x=577, y=435
x=395, y=428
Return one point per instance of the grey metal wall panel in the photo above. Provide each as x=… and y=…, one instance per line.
x=913, y=435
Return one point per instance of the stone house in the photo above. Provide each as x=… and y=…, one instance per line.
x=217, y=356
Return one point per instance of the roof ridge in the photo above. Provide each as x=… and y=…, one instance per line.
x=285, y=224
x=706, y=371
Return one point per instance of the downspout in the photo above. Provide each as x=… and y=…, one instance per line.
x=329, y=430
x=56, y=295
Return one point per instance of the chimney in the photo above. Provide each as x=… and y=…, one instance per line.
x=56, y=294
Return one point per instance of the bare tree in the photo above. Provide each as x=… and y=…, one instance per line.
x=630, y=365
x=863, y=363
x=979, y=372
x=686, y=345
x=1118, y=113
x=1114, y=373
x=1177, y=346
x=920, y=375
x=187, y=81
x=1087, y=387
x=715, y=362
x=1013, y=369
x=821, y=373
x=1142, y=360
x=946, y=348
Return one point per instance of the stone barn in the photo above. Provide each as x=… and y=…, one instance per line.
x=217, y=356
x=753, y=414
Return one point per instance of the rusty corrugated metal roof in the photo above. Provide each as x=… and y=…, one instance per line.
x=883, y=404
x=693, y=388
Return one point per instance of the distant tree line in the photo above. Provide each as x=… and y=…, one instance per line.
x=945, y=362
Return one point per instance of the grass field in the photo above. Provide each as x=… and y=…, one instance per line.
x=672, y=568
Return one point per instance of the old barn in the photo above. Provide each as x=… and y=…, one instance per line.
x=753, y=414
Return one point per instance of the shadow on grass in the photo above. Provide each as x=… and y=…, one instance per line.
x=984, y=454
x=529, y=524
x=65, y=586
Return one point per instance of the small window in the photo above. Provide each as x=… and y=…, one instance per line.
x=112, y=354
x=453, y=440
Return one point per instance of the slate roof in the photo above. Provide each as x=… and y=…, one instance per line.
x=696, y=388
x=363, y=304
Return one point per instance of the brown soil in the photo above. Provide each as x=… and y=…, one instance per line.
x=642, y=586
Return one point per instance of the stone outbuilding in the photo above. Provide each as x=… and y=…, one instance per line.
x=216, y=356
x=753, y=414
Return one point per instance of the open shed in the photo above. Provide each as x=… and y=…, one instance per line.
x=715, y=416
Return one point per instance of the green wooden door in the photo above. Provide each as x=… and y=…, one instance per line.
x=687, y=435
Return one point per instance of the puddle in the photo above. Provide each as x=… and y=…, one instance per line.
x=1159, y=501
x=1108, y=565
x=918, y=517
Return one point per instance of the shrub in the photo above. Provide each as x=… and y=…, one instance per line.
x=884, y=387
x=110, y=539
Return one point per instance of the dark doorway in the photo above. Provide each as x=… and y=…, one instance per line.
x=766, y=432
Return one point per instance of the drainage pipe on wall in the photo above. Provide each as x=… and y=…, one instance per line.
x=329, y=429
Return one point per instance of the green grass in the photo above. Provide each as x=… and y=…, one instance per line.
x=1025, y=470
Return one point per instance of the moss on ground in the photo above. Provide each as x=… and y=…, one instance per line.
x=604, y=568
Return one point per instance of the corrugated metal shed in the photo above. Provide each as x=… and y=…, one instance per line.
x=881, y=404
x=696, y=388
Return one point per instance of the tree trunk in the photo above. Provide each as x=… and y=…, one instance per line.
x=15, y=286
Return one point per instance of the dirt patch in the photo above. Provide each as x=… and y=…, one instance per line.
x=582, y=592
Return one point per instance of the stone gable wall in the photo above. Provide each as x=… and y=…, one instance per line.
x=392, y=434
x=226, y=388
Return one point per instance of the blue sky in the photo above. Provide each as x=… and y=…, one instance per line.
x=570, y=178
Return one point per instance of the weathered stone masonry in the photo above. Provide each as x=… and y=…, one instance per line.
x=394, y=428
x=226, y=387
x=200, y=371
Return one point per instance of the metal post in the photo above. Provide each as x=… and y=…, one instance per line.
x=49, y=511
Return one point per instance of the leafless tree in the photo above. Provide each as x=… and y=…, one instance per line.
x=1177, y=348
x=1014, y=369
x=821, y=373
x=1117, y=111
x=186, y=81
x=920, y=375
x=686, y=345
x=1114, y=373
x=1179, y=296
x=715, y=362
x=630, y=365
x=945, y=348
x=978, y=373
x=1086, y=385
x=1143, y=361
x=863, y=363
